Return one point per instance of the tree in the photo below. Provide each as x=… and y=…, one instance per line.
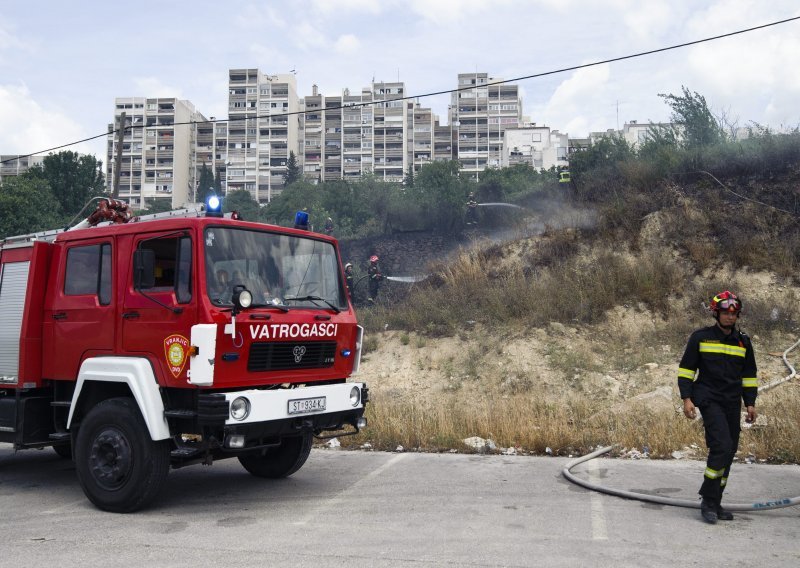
x=205, y=184
x=699, y=126
x=293, y=172
x=28, y=205
x=441, y=192
x=409, y=179
x=73, y=178
x=155, y=205
x=218, y=183
x=241, y=201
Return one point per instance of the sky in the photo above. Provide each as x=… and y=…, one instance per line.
x=62, y=64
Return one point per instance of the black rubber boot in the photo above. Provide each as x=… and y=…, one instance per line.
x=724, y=514
x=708, y=510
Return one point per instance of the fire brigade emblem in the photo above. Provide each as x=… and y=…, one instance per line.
x=299, y=351
x=175, y=350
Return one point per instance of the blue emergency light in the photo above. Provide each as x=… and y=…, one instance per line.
x=213, y=206
x=301, y=220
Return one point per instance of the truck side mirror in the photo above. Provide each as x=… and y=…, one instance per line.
x=144, y=268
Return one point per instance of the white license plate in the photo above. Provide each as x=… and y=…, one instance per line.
x=306, y=405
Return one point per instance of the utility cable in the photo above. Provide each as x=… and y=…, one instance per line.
x=434, y=93
x=766, y=505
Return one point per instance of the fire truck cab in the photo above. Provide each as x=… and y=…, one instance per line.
x=175, y=340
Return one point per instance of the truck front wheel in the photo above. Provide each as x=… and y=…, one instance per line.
x=120, y=468
x=280, y=461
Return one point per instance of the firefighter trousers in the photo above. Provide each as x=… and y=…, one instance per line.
x=721, y=423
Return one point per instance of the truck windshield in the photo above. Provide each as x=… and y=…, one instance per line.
x=276, y=269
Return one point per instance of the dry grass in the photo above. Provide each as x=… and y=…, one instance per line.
x=569, y=425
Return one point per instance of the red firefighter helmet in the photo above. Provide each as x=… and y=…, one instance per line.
x=725, y=302
x=373, y=258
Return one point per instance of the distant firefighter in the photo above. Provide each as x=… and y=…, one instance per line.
x=375, y=277
x=348, y=277
x=472, y=210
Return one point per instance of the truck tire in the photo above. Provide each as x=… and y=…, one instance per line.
x=280, y=461
x=119, y=467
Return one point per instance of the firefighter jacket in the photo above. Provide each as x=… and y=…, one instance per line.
x=718, y=368
x=374, y=272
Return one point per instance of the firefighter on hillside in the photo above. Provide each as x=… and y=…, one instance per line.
x=717, y=372
x=348, y=278
x=375, y=277
x=329, y=226
x=472, y=210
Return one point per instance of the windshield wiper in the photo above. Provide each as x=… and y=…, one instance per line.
x=280, y=307
x=312, y=299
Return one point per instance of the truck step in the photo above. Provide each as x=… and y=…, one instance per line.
x=179, y=413
x=60, y=436
x=61, y=403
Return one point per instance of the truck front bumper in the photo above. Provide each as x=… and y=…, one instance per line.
x=258, y=415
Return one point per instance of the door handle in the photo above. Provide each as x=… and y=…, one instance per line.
x=130, y=315
x=60, y=316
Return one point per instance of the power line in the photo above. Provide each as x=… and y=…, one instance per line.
x=434, y=93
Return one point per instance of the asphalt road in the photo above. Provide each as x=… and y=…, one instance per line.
x=383, y=509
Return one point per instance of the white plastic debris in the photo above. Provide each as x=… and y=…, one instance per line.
x=399, y=449
x=366, y=446
x=333, y=443
x=548, y=450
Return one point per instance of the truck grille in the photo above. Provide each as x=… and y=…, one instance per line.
x=284, y=356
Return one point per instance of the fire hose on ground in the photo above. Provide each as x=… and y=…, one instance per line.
x=694, y=504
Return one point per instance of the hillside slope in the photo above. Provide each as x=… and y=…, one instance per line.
x=567, y=338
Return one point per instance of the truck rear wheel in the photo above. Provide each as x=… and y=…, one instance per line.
x=120, y=468
x=280, y=461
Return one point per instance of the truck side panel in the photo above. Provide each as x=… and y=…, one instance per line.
x=23, y=274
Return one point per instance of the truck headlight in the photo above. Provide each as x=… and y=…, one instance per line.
x=240, y=408
x=355, y=396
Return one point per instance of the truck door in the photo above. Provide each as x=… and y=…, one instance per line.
x=79, y=312
x=157, y=317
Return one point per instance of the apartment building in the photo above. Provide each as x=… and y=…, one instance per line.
x=636, y=134
x=390, y=124
x=262, y=129
x=211, y=149
x=336, y=135
x=349, y=135
x=480, y=113
x=371, y=131
x=158, y=150
x=538, y=146
x=15, y=165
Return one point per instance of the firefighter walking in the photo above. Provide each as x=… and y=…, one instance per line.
x=717, y=372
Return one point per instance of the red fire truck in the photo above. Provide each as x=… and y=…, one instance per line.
x=171, y=340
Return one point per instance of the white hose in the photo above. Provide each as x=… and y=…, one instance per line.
x=787, y=377
x=694, y=504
